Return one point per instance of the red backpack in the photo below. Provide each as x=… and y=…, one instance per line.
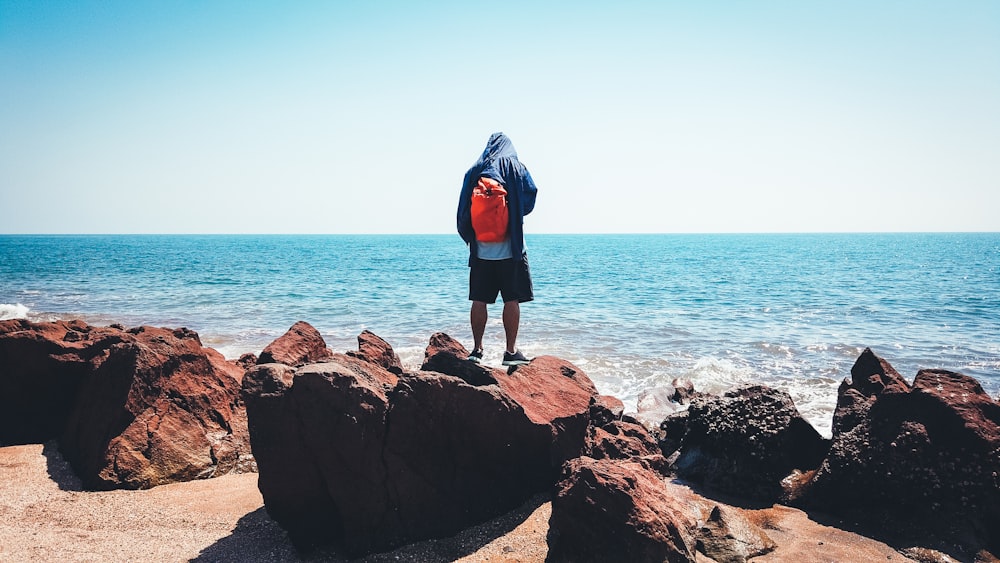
x=489, y=211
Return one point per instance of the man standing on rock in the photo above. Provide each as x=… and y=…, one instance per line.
x=496, y=195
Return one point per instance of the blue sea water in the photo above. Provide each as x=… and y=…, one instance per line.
x=633, y=311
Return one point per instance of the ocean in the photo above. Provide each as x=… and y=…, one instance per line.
x=632, y=311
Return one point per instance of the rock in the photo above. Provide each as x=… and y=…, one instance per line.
x=870, y=376
x=247, y=361
x=555, y=395
x=605, y=409
x=727, y=536
x=609, y=510
x=302, y=344
x=459, y=454
x=620, y=440
x=41, y=370
x=373, y=349
x=318, y=433
x=157, y=408
x=446, y=355
x=671, y=432
x=350, y=453
x=913, y=462
x=610, y=435
x=130, y=409
x=613, y=510
x=746, y=442
x=684, y=391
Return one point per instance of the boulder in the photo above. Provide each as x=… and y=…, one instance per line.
x=374, y=349
x=914, y=461
x=349, y=453
x=614, y=510
x=620, y=440
x=446, y=355
x=870, y=376
x=157, y=408
x=746, y=442
x=301, y=344
x=318, y=432
x=130, y=409
x=612, y=435
x=609, y=510
x=42, y=366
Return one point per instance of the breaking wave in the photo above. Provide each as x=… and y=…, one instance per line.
x=13, y=311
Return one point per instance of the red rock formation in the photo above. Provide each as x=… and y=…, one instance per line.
x=318, y=433
x=42, y=366
x=611, y=510
x=140, y=407
x=373, y=349
x=301, y=344
x=618, y=510
x=157, y=408
x=444, y=354
x=349, y=453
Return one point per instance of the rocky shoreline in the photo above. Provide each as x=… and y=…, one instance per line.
x=355, y=455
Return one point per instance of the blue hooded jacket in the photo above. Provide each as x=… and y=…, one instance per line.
x=499, y=162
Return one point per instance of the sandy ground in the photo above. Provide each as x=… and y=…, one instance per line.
x=45, y=516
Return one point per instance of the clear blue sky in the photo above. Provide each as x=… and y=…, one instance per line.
x=361, y=117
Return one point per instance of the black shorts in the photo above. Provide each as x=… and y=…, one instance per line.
x=510, y=278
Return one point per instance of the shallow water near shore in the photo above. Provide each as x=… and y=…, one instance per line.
x=633, y=311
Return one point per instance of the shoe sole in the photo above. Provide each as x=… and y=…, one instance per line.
x=475, y=360
x=517, y=363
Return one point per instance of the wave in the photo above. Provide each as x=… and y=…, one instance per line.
x=13, y=311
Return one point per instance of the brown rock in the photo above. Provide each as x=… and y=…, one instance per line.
x=318, y=433
x=727, y=536
x=302, y=344
x=373, y=349
x=446, y=355
x=614, y=436
x=620, y=440
x=608, y=510
x=247, y=361
x=350, y=453
x=613, y=510
x=42, y=366
x=605, y=409
x=157, y=408
x=130, y=409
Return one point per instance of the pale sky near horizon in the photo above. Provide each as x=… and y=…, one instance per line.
x=362, y=116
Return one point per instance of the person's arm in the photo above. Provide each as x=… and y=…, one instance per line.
x=464, y=215
x=528, y=192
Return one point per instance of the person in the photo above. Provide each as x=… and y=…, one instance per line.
x=498, y=267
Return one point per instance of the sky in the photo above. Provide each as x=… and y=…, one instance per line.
x=633, y=117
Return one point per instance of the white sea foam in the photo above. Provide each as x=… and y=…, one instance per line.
x=13, y=311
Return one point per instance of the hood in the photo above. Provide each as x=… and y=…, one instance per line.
x=499, y=146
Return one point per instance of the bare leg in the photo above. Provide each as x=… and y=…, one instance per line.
x=477, y=317
x=511, y=321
